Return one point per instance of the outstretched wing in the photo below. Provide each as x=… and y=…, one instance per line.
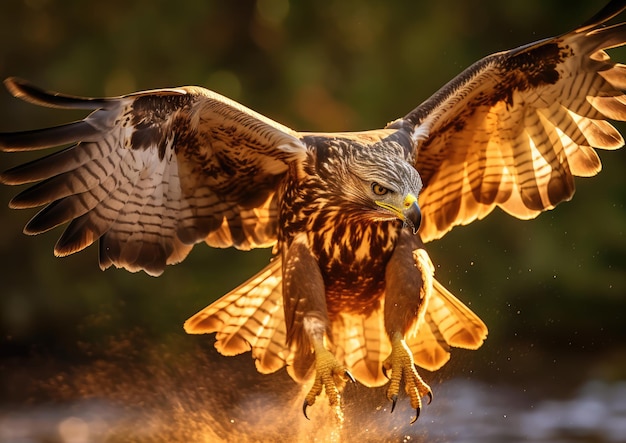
x=516, y=127
x=152, y=173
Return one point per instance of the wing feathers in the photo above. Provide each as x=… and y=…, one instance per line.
x=26, y=91
x=46, y=138
x=616, y=76
x=516, y=127
x=613, y=107
x=610, y=10
x=606, y=37
x=83, y=177
x=152, y=173
x=143, y=234
x=600, y=134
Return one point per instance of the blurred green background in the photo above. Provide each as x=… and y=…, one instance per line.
x=551, y=290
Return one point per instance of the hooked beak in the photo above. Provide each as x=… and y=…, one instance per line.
x=411, y=214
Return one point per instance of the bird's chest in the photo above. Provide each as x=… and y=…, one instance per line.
x=351, y=249
x=352, y=259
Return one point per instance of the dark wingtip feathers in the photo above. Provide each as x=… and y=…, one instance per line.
x=14, y=86
x=28, y=92
x=609, y=11
x=48, y=137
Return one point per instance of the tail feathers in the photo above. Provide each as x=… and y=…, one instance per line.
x=447, y=323
x=249, y=318
x=361, y=343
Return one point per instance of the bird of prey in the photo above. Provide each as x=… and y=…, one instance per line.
x=350, y=294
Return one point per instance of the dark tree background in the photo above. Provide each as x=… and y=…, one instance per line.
x=551, y=290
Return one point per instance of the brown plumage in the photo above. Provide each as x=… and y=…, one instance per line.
x=351, y=291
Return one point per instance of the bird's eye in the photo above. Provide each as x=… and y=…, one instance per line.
x=379, y=189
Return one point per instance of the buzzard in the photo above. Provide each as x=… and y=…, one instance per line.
x=350, y=294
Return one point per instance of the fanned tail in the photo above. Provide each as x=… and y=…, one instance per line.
x=361, y=344
x=251, y=318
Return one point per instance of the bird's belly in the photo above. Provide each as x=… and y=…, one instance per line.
x=353, y=288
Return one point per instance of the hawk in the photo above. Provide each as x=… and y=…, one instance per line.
x=350, y=294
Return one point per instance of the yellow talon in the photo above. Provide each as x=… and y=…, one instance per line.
x=402, y=367
x=331, y=377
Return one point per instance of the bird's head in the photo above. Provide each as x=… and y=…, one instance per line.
x=387, y=187
x=402, y=205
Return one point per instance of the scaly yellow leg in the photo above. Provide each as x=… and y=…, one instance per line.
x=330, y=376
x=402, y=367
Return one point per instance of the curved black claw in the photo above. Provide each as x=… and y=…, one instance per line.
x=304, y=406
x=430, y=397
x=385, y=372
x=394, y=400
x=350, y=376
x=417, y=415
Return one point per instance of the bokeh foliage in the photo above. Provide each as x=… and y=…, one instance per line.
x=557, y=283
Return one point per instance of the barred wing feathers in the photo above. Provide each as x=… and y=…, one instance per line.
x=152, y=173
x=516, y=127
